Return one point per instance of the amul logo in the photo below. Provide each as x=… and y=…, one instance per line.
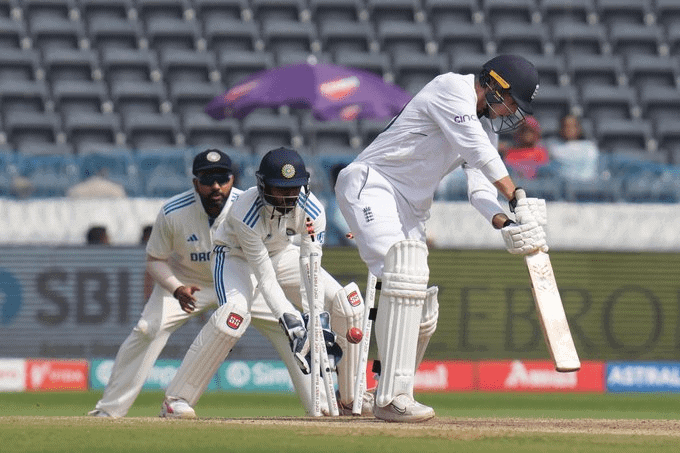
x=239, y=90
x=234, y=321
x=338, y=89
x=351, y=112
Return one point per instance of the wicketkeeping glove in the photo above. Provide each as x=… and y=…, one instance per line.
x=332, y=348
x=294, y=327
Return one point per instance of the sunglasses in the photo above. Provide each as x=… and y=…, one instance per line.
x=210, y=178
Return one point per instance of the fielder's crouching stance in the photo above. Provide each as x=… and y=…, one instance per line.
x=257, y=274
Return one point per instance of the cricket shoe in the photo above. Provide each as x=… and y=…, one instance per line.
x=403, y=409
x=368, y=401
x=176, y=408
x=99, y=413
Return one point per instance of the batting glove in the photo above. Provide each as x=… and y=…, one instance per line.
x=524, y=238
x=294, y=327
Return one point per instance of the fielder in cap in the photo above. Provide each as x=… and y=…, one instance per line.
x=256, y=268
x=386, y=194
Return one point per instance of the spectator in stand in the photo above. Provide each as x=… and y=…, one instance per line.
x=572, y=155
x=527, y=154
x=97, y=235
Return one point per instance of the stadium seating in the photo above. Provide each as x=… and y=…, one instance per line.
x=80, y=75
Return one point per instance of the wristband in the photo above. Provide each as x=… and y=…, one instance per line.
x=513, y=201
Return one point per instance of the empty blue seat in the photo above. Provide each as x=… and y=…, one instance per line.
x=623, y=11
x=202, y=130
x=278, y=10
x=458, y=39
x=235, y=65
x=230, y=34
x=120, y=64
x=170, y=164
x=220, y=9
x=594, y=69
x=86, y=130
x=279, y=35
x=378, y=63
x=151, y=10
x=114, y=33
x=517, y=38
x=265, y=131
x=323, y=137
x=25, y=128
x=105, y=9
x=192, y=97
x=188, y=65
x=575, y=38
x=346, y=35
x=658, y=102
x=415, y=70
x=393, y=10
x=451, y=11
x=601, y=102
x=151, y=131
x=70, y=64
x=168, y=33
x=640, y=39
x=50, y=174
x=646, y=70
x=18, y=64
x=138, y=97
x=667, y=12
x=566, y=11
x=497, y=12
x=51, y=33
x=616, y=135
x=397, y=36
x=72, y=96
x=115, y=163
x=12, y=33
x=330, y=11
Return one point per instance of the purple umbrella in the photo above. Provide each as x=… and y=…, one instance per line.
x=330, y=91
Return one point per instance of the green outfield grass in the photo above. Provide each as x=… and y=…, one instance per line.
x=53, y=422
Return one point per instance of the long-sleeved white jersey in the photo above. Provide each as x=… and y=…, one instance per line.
x=257, y=232
x=435, y=133
x=182, y=234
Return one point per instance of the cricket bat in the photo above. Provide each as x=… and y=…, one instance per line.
x=551, y=313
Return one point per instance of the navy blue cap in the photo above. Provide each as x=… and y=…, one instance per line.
x=211, y=159
x=517, y=75
x=283, y=167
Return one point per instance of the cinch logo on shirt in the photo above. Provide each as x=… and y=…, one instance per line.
x=463, y=118
x=200, y=256
x=234, y=321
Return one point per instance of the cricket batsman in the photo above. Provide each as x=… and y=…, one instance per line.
x=386, y=194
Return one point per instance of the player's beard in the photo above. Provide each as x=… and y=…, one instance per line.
x=213, y=205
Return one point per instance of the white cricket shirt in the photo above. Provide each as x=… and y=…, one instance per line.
x=436, y=132
x=182, y=235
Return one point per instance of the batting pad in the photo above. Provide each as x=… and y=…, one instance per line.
x=209, y=349
x=403, y=293
x=347, y=311
x=428, y=323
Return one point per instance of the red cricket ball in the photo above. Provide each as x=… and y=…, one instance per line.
x=354, y=335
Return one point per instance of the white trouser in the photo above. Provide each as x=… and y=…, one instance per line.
x=377, y=215
x=240, y=285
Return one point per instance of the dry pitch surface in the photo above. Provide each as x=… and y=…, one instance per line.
x=463, y=427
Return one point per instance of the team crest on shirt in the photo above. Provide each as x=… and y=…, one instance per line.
x=234, y=321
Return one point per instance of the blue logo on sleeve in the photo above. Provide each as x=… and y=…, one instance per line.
x=10, y=297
